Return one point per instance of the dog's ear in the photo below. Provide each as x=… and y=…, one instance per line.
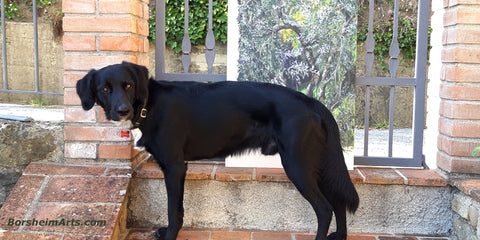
x=140, y=74
x=85, y=90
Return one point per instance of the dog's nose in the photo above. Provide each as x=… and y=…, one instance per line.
x=123, y=110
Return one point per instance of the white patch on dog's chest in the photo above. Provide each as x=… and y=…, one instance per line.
x=123, y=124
x=137, y=134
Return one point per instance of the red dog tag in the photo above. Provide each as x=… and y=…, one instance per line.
x=125, y=134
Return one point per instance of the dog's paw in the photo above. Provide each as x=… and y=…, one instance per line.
x=161, y=233
x=335, y=236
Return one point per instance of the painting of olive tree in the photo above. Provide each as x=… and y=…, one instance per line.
x=307, y=45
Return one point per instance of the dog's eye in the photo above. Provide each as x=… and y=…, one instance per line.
x=105, y=89
x=128, y=86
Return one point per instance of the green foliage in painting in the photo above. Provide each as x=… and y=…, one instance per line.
x=306, y=45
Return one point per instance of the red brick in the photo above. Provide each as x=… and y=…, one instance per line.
x=85, y=189
x=461, y=15
x=271, y=236
x=271, y=175
x=355, y=176
x=80, y=150
x=19, y=200
x=452, y=3
x=122, y=6
x=79, y=212
x=460, y=73
x=70, y=98
x=148, y=170
x=423, y=178
x=102, y=117
x=459, y=128
x=91, y=133
x=460, y=92
x=115, y=151
x=461, y=55
x=233, y=174
x=193, y=235
x=467, y=185
x=78, y=6
x=462, y=110
x=304, y=237
x=77, y=114
x=70, y=79
x=121, y=43
x=457, y=147
x=79, y=43
x=125, y=172
x=397, y=238
x=29, y=236
x=144, y=59
x=454, y=164
x=88, y=62
x=360, y=236
x=230, y=235
x=464, y=36
x=381, y=176
x=84, y=237
x=98, y=24
x=199, y=171
x=60, y=169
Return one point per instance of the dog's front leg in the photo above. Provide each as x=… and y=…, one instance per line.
x=174, y=181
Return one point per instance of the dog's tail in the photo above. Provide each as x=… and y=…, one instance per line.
x=336, y=175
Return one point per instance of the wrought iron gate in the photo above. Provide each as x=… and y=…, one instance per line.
x=186, y=48
x=418, y=83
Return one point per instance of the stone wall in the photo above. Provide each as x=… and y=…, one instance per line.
x=25, y=142
x=466, y=217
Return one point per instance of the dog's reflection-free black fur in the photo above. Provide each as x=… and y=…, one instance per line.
x=192, y=121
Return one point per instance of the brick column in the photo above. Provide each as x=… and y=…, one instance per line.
x=98, y=33
x=459, y=86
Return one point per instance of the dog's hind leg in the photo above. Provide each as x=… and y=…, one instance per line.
x=308, y=188
x=339, y=209
x=301, y=144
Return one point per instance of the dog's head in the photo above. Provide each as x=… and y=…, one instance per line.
x=119, y=89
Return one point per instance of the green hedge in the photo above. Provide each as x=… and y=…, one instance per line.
x=198, y=22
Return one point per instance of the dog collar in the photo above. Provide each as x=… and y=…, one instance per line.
x=141, y=116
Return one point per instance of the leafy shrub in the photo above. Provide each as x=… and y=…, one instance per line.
x=198, y=22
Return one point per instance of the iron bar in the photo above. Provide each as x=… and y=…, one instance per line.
x=160, y=37
x=420, y=74
x=4, y=47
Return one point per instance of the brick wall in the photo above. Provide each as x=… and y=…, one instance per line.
x=98, y=33
x=458, y=83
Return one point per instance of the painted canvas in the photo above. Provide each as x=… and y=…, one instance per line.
x=307, y=45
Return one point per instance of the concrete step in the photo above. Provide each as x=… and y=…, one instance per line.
x=399, y=201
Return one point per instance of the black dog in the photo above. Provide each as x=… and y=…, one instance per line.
x=191, y=121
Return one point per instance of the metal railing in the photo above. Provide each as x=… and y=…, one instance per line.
x=160, y=73
x=35, y=53
x=418, y=82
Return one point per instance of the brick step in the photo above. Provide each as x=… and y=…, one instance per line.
x=56, y=201
x=222, y=234
x=71, y=198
